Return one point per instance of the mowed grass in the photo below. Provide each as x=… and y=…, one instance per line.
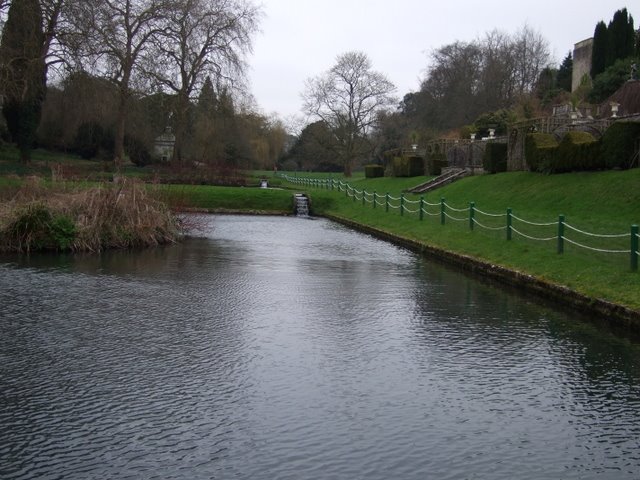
x=232, y=199
x=598, y=202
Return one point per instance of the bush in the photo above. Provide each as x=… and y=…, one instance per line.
x=90, y=137
x=606, y=83
x=373, y=171
x=34, y=227
x=494, y=159
x=619, y=144
x=538, y=150
x=138, y=152
x=408, y=166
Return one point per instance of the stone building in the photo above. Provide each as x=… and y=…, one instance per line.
x=164, y=144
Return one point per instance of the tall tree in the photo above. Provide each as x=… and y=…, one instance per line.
x=600, y=49
x=497, y=70
x=201, y=38
x=531, y=52
x=347, y=98
x=565, y=73
x=315, y=149
x=466, y=79
x=23, y=72
x=621, y=37
x=451, y=89
x=116, y=35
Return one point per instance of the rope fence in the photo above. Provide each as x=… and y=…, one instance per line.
x=578, y=238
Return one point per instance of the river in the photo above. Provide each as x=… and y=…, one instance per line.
x=289, y=348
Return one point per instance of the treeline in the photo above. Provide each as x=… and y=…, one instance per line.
x=124, y=70
x=470, y=87
x=80, y=112
x=487, y=83
x=501, y=78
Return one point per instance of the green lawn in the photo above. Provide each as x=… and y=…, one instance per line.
x=237, y=199
x=600, y=202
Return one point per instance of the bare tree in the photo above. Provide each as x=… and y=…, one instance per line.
x=347, y=98
x=451, y=87
x=498, y=70
x=202, y=38
x=115, y=36
x=531, y=54
x=465, y=80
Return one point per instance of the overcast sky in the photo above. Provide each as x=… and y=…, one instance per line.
x=302, y=38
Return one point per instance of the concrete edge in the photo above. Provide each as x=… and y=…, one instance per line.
x=602, y=310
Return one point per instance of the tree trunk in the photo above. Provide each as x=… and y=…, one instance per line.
x=347, y=168
x=180, y=126
x=118, y=141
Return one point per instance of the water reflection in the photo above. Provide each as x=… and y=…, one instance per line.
x=290, y=348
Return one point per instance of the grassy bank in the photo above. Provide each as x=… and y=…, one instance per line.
x=227, y=199
x=601, y=203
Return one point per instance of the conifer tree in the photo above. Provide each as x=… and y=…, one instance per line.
x=600, y=49
x=621, y=37
x=23, y=73
x=565, y=73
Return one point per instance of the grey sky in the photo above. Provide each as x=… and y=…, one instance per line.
x=302, y=38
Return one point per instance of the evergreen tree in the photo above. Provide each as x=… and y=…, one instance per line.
x=600, y=49
x=207, y=100
x=621, y=37
x=565, y=73
x=23, y=73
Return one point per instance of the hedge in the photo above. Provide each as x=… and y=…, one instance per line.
x=408, y=166
x=494, y=159
x=576, y=151
x=373, y=171
x=619, y=144
x=539, y=149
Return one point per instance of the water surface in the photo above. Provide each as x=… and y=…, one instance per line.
x=280, y=348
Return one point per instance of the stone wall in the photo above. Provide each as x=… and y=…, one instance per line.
x=581, y=61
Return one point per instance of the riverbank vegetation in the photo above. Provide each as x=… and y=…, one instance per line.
x=35, y=215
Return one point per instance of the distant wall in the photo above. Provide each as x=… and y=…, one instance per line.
x=581, y=61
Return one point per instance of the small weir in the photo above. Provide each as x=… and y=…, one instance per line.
x=301, y=205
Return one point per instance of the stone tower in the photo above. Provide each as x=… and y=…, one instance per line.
x=581, y=61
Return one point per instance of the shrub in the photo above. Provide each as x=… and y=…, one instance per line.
x=494, y=159
x=63, y=232
x=90, y=137
x=34, y=227
x=538, y=150
x=373, y=171
x=138, y=152
x=619, y=144
x=408, y=166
